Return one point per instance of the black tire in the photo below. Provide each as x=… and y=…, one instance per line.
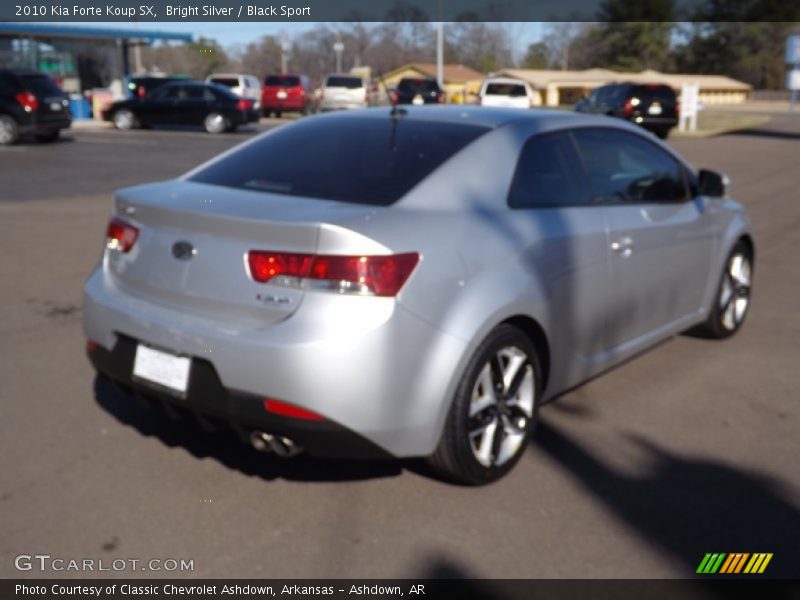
x=266, y=113
x=49, y=137
x=725, y=318
x=277, y=114
x=456, y=458
x=9, y=130
x=662, y=133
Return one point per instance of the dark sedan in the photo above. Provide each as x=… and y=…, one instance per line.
x=418, y=90
x=211, y=106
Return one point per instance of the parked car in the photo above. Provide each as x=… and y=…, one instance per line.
x=652, y=106
x=211, y=106
x=343, y=92
x=505, y=93
x=285, y=93
x=412, y=283
x=31, y=103
x=138, y=86
x=418, y=90
x=244, y=86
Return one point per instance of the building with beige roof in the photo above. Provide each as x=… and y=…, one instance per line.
x=565, y=87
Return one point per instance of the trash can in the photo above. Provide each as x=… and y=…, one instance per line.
x=79, y=106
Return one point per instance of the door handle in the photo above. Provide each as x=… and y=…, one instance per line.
x=623, y=246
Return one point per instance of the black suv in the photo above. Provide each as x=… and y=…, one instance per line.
x=31, y=102
x=653, y=106
x=417, y=90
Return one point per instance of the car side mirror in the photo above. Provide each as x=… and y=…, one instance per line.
x=712, y=183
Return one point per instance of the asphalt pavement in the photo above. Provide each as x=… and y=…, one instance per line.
x=688, y=449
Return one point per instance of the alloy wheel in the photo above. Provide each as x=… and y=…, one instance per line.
x=734, y=297
x=501, y=407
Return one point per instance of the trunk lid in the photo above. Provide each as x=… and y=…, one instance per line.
x=191, y=251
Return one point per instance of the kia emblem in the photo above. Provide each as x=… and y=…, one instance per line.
x=183, y=250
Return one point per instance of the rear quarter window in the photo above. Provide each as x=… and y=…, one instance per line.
x=347, y=159
x=39, y=84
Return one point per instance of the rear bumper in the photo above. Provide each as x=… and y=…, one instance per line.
x=218, y=406
x=341, y=105
x=48, y=124
x=365, y=364
x=288, y=104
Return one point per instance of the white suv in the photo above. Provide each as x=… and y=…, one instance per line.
x=244, y=86
x=505, y=93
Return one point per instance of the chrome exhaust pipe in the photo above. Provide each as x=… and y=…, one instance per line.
x=281, y=445
x=261, y=441
x=285, y=447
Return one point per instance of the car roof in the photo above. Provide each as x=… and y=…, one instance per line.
x=231, y=75
x=468, y=114
x=505, y=80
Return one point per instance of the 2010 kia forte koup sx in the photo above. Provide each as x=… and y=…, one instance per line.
x=411, y=282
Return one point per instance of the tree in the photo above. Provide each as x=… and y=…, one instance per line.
x=537, y=56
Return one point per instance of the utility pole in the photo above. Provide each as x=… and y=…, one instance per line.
x=440, y=55
x=285, y=47
x=338, y=47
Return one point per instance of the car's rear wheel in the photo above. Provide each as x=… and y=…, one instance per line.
x=49, y=137
x=732, y=300
x=125, y=119
x=9, y=130
x=493, y=412
x=215, y=123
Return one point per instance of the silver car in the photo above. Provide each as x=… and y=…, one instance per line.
x=342, y=91
x=412, y=281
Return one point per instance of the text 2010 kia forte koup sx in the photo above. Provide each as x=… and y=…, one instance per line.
x=413, y=282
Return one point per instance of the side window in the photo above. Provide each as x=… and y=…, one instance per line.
x=166, y=93
x=625, y=167
x=549, y=174
x=208, y=95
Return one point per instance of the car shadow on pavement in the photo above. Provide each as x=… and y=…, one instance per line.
x=684, y=506
x=226, y=447
x=768, y=133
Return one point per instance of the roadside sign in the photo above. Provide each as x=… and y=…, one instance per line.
x=690, y=96
x=793, y=80
x=793, y=49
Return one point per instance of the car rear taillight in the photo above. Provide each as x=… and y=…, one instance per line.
x=367, y=275
x=440, y=98
x=628, y=108
x=678, y=107
x=28, y=101
x=244, y=104
x=289, y=410
x=393, y=96
x=141, y=92
x=120, y=236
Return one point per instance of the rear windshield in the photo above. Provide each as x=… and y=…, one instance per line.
x=662, y=93
x=417, y=85
x=344, y=82
x=39, y=84
x=226, y=81
x=282, y=80
x=505, y=89
x=348, y=159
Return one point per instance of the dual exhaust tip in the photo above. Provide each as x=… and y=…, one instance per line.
x=279, y=444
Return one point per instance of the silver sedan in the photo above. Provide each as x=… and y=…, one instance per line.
x=412, y=282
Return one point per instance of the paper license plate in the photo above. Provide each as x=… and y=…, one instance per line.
x=418, y=100
x=55, y=106
x=281, y=94
x=655, y=109
x=162, y=368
